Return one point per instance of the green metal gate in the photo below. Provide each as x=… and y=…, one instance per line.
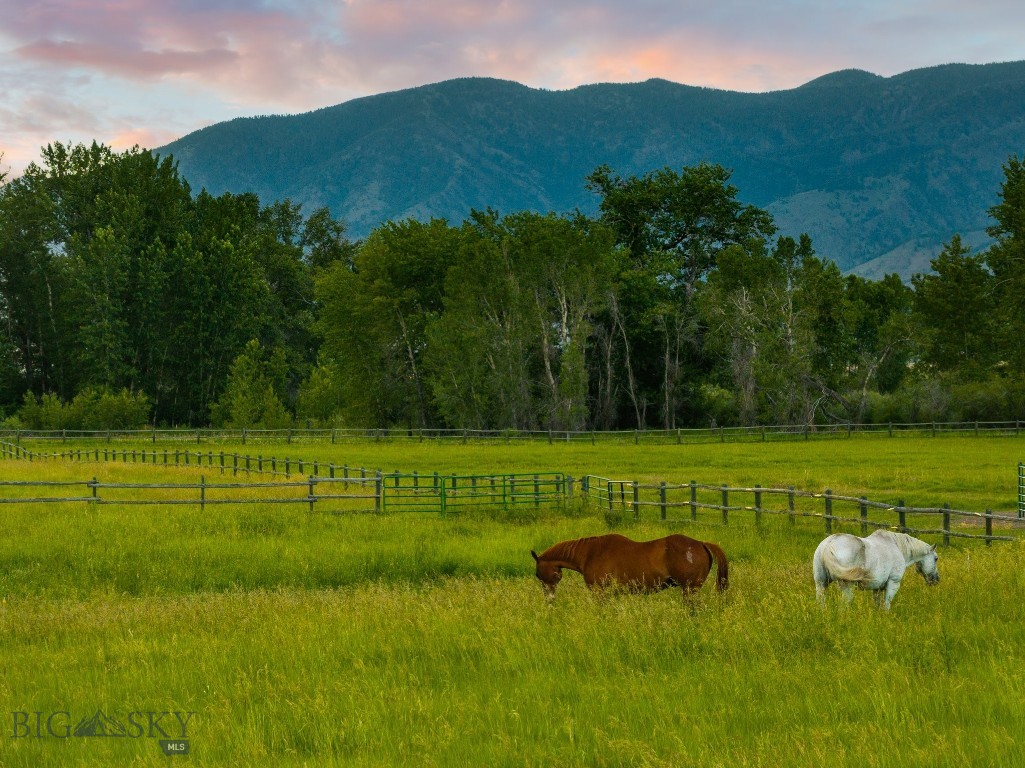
x=1021, y=489
x=444, y=493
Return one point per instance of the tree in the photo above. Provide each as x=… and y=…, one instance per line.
x=33, y=282
x=955, y=307
x=675, y=226
x=374, y=316
x=512, y=346
x=252, y=397
x=882, y=329
x=1006, y=260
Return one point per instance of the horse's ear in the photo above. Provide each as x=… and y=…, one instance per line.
x=533, y=554
x=933, y=547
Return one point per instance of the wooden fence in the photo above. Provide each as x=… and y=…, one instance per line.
x=667, y=499
x=636, y=436
x=377, y=493
x=224, y=462
x=332, y=487
x=377, y=490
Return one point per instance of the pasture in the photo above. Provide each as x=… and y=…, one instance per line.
x=411, y=639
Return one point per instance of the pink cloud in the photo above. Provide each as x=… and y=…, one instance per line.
x=132, y=64
x=122, y=68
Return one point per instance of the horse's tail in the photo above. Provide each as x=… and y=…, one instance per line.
x=838, y=571
x=722, y=566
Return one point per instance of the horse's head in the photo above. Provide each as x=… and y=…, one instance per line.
x=548, y=573
x=927, y=567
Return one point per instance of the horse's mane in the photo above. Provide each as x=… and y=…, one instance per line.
x=909, y=546
x=568, y=550
x=564, y=550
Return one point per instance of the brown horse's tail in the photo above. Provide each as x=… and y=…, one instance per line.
x=722, y=567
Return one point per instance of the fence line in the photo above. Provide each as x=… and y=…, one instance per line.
x=377, y=493
x=637, y=436
x=437, y=492
x=632, y=496
x=223, y=461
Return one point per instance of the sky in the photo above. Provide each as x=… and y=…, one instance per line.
x=127, y=72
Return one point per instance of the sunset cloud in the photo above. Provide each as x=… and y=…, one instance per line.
x=121, y=70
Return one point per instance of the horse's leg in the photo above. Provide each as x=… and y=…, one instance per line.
x=821, y=578
x=847, y=589
x=690, y=596
x=891, y=589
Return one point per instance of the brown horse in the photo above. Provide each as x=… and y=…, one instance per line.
x=643, y=566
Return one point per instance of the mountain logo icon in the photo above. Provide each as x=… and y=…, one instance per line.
x=99, y=725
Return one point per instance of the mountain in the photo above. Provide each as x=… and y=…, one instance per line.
x=880, y=171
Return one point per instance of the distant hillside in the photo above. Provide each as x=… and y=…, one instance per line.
x=879, y=171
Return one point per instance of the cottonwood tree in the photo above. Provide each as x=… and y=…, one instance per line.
x=674, y=225
x=512, y=346
x=374, y=316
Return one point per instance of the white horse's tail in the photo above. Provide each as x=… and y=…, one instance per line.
x=838, y=571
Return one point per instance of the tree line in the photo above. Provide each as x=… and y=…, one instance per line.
x=127, y=299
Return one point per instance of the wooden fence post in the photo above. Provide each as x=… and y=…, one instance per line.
x=863, y=504
x=790, y=504
x=202, y=492
x=313, y=498
x=725, y=505
x=758, y=506
x=378, y=492
x=637, y=506
x=902, y=515
x=662, y=498
x=829, y=510
x=989, y=528
x=693, y=501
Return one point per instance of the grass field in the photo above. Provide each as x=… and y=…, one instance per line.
x=409, y=639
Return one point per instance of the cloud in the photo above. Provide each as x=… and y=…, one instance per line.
x=127, y=63
x=117, y=69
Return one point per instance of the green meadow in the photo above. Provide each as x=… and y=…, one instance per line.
x=300, y=638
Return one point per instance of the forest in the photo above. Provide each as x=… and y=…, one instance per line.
x=126, y=299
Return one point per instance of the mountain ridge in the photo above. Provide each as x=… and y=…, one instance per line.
x=880, y=171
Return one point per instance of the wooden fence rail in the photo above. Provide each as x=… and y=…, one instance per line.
x=635, y=497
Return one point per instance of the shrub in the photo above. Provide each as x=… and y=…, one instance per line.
x=90, y=409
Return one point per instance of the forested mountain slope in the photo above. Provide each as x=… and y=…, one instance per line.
x=879, y=171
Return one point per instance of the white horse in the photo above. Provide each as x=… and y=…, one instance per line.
x=876, y=562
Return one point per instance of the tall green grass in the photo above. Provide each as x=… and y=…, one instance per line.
x=479, y=670
x=411, y=639
x=974, y=473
